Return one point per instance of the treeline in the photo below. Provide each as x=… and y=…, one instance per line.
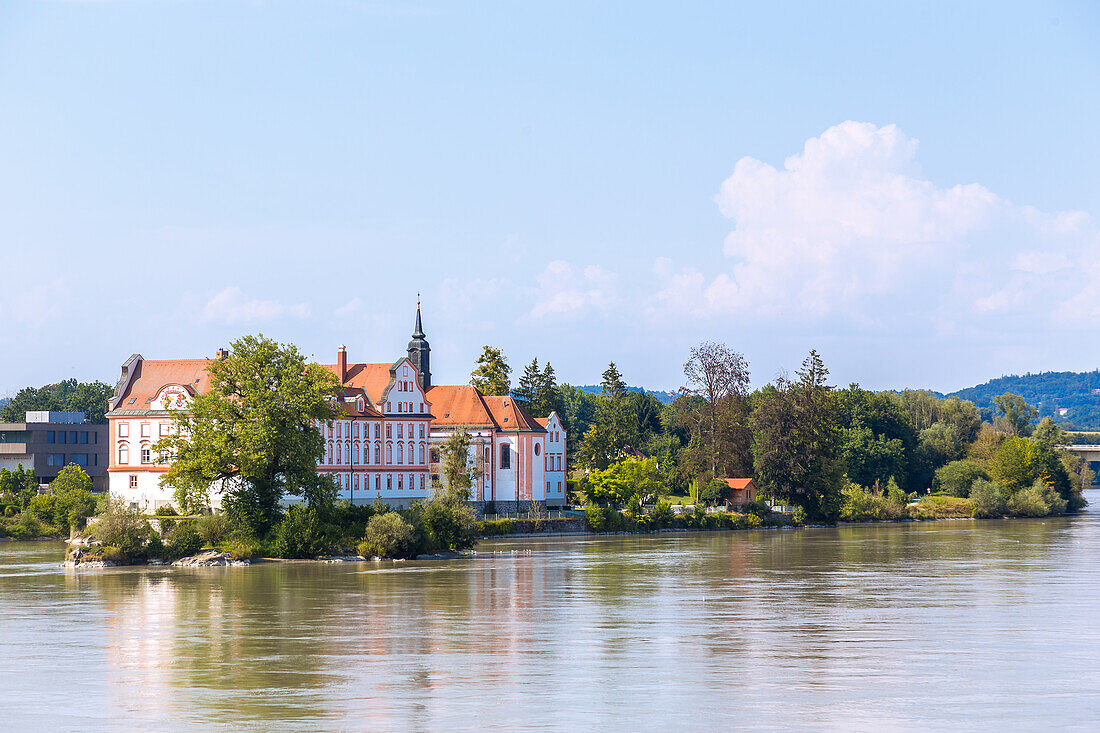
x=65, y=396
x=805, y=442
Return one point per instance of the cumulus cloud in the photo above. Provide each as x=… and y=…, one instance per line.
x=567, y=293
x=849, y=227
x=231, y=307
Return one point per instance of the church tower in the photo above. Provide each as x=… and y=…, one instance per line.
x=420, y=353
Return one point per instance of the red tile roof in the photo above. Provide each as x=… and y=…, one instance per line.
x=374, y=378
x=459, y=405
x=739, y=483
x=510, y=415
x=151, y=375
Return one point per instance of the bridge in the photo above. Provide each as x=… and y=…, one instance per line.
x=1091, y=453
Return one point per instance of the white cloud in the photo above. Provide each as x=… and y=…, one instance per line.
x=563, y=292
x=849, y=227
x=230, y=307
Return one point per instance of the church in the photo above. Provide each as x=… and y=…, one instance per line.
x=383, y=445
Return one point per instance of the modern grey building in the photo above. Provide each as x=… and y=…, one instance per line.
x=49, y=441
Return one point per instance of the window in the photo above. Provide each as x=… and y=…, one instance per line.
x=72, y=437
x=51, y=436
x=377, y=482
x=400, y=452
x=421, y=482
x=357, y=424
x=123, y=429
x=80, y=459
x=146, y=454
x=389, y=407
x=487, y=463
x=435, y=455
x=133, y=482
x=412, y=484
x=422, y=424
x=84, y=438
x=123, y=454
x=55, y=459
x=145, y=430
x=547, y=487
x=505, y=455
x=95, y=438
x=62, y=436
x=422, y=407
x=377, y=453
x=537, y=448
x=389, y=453
x=400, y=430
x=421, y=453
x=357, y=481
x=389, y=431
x=95, y=459
x=163, y=456
x=339, y=453
x=366, y=455
x=164, y=428
x=559, y=487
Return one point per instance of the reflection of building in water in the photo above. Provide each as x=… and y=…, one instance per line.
x=384, y=446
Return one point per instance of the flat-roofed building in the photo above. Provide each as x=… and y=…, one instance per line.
x=49, y=441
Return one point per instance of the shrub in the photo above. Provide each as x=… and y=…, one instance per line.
x=123, y=528
x=957, y=477
x=388, y=535
x=1037, y=500
x=185, y=540
x=241, y=550
x=166, y=525
x=155, y=546
x=212, y=528
x=447, y=525
x=28, y=527
x=660, y=514
x=988, y=498
x=110, y=553
x=495, y=527
x=595, y=519
x=753, y=520
x=301, y=534
x=798, y=516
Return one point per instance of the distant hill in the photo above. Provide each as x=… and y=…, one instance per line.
x=1071, y=399
x=664, y=398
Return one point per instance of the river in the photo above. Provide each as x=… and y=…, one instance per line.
x=976, y=624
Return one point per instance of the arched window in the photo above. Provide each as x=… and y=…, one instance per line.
x=377, y=453
x=347, y=451
x=123, y=453
x=421, y=453
x=366, y=455
x=339, y=454
x=328, y=454
x=400, y=452
x=411, y=454
x=389, y=453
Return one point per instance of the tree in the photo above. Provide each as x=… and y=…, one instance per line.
x=458, y=473
x=879, y=439
x=547, y=398
x=254, y=433
x=492, y=376
x=957, y=477
x=528, y=385
x=66, y=396
x=626, y=479
x=798, y=441
x=1017, y=413
x=18, y=487
x=1050, y=434
x=71, y=478
x=720, y=376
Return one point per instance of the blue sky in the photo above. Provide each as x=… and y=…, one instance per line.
x=909, y=188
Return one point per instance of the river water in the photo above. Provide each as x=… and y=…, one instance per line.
x=954, y=624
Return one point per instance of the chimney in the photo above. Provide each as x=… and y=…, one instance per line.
x=342, y=362
x=223, y=353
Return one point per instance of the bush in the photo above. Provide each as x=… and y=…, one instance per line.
x=185, y=540
x=241, y=550
x=155, y=546
x=301, y=534
x=27, y=528
x=495, y=527
x=957, y=477
x=388, y=535
x=447, y=525
x=122, y=528
x=212, y=528
x=660, y=514
x=988, y=498
x=110, y=553
x=1037, y=500
x=595, y=519
x=861, y=505
x=798, y=516
x=166, y=525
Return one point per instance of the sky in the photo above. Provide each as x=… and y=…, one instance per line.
x=909, y=188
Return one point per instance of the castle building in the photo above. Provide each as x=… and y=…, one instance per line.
x=382, y=446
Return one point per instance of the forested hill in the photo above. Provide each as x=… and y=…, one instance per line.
x=664, y=398
x=1076, y=392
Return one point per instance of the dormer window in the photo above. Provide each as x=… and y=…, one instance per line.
x=359, y=405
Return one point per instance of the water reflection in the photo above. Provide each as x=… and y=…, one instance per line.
x=859, y=626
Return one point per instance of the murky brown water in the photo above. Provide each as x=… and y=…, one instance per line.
x=948, y=624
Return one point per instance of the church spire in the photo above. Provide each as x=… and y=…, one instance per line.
x=420, y=352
